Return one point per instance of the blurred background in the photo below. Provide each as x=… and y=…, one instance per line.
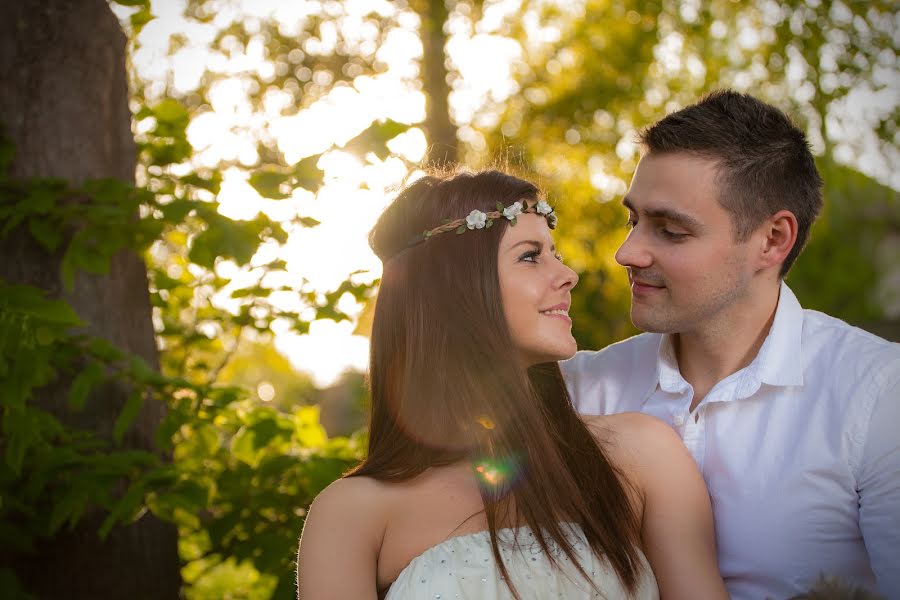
x=269, y=135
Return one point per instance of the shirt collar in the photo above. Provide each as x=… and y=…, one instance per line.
x=779, y=359
x=670, y=379
x=776, y=363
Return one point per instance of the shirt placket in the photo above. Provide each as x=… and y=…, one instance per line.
x=693, y=434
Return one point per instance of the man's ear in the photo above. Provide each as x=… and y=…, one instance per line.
x=778, y=234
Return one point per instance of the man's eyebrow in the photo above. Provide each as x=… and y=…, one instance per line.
x=664, y=213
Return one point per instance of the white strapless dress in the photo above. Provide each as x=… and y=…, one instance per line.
x=463, y=567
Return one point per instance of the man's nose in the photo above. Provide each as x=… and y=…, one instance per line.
x=633, y=252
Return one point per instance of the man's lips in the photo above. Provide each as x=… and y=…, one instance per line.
x=641, y=287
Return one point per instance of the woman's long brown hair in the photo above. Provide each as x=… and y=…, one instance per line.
x=446, y=386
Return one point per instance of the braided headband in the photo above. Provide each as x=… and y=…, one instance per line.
x=481, y=220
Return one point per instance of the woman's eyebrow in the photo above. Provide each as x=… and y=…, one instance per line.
x=537, y=244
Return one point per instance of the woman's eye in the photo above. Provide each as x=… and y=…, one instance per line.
x=530, y=256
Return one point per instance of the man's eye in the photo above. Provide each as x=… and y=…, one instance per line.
x=630, y=223
x=671, y=234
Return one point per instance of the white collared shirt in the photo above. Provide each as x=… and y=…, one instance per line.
x=800, y=450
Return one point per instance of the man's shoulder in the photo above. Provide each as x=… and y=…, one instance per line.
x=631, y=351
x=840, y=344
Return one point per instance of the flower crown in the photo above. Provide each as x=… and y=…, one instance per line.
x=482, y=220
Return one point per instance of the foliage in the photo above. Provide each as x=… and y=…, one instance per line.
x=241, y=472
x=843, y=269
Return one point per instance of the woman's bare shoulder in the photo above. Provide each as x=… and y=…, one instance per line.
x=353, y=493
x=339, y=546
x=634, y=439
x=356, y=504
x=629, y=426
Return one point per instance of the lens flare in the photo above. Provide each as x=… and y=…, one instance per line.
x=498, y=475
x=486, y=423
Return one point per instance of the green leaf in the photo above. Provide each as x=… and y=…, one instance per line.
x=30, y=301
x=69, y=508
x=309, y=430
x=129, y=413
x=213, y=183
x=277, y=265
x=387, y=130
x=243, y=447
x=89, y=377
x=225, y=238
x=161, y=281
x=461, y=229
x=48, y=234
x=19, y=433
x=175, y=211
x=162, y=152
x=375, y=138
x=269, y=182
x=104, y=350
x=308, y=222
x=307, y=174
x=172, y=112
x=124, y=510
x=141, y=18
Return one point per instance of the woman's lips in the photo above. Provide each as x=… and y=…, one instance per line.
x=561, y=316
x=558, y=312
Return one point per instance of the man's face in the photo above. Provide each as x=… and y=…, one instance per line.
x=685, y=268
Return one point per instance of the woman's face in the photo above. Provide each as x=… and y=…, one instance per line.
x=535, y=288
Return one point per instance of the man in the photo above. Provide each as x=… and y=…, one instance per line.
x=792, y=416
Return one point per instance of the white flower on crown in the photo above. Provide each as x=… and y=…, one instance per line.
x=513, y=210
x=543, y=208
x=476, y=219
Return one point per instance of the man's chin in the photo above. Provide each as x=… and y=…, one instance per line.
x=650, y=325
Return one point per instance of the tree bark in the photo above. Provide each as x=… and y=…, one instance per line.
x=64, y=104
x=439, y=128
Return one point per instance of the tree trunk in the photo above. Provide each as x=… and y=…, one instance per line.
x=64, y=104
x=439, y=129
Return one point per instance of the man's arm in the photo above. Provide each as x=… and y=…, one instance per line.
x=879, y=488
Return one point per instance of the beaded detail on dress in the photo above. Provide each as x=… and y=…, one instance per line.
x=464, y=567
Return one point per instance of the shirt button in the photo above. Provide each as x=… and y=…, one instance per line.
x=679, y=421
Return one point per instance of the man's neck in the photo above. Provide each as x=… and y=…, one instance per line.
x=725, y=344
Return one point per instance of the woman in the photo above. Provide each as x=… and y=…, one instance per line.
x=481, y=481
